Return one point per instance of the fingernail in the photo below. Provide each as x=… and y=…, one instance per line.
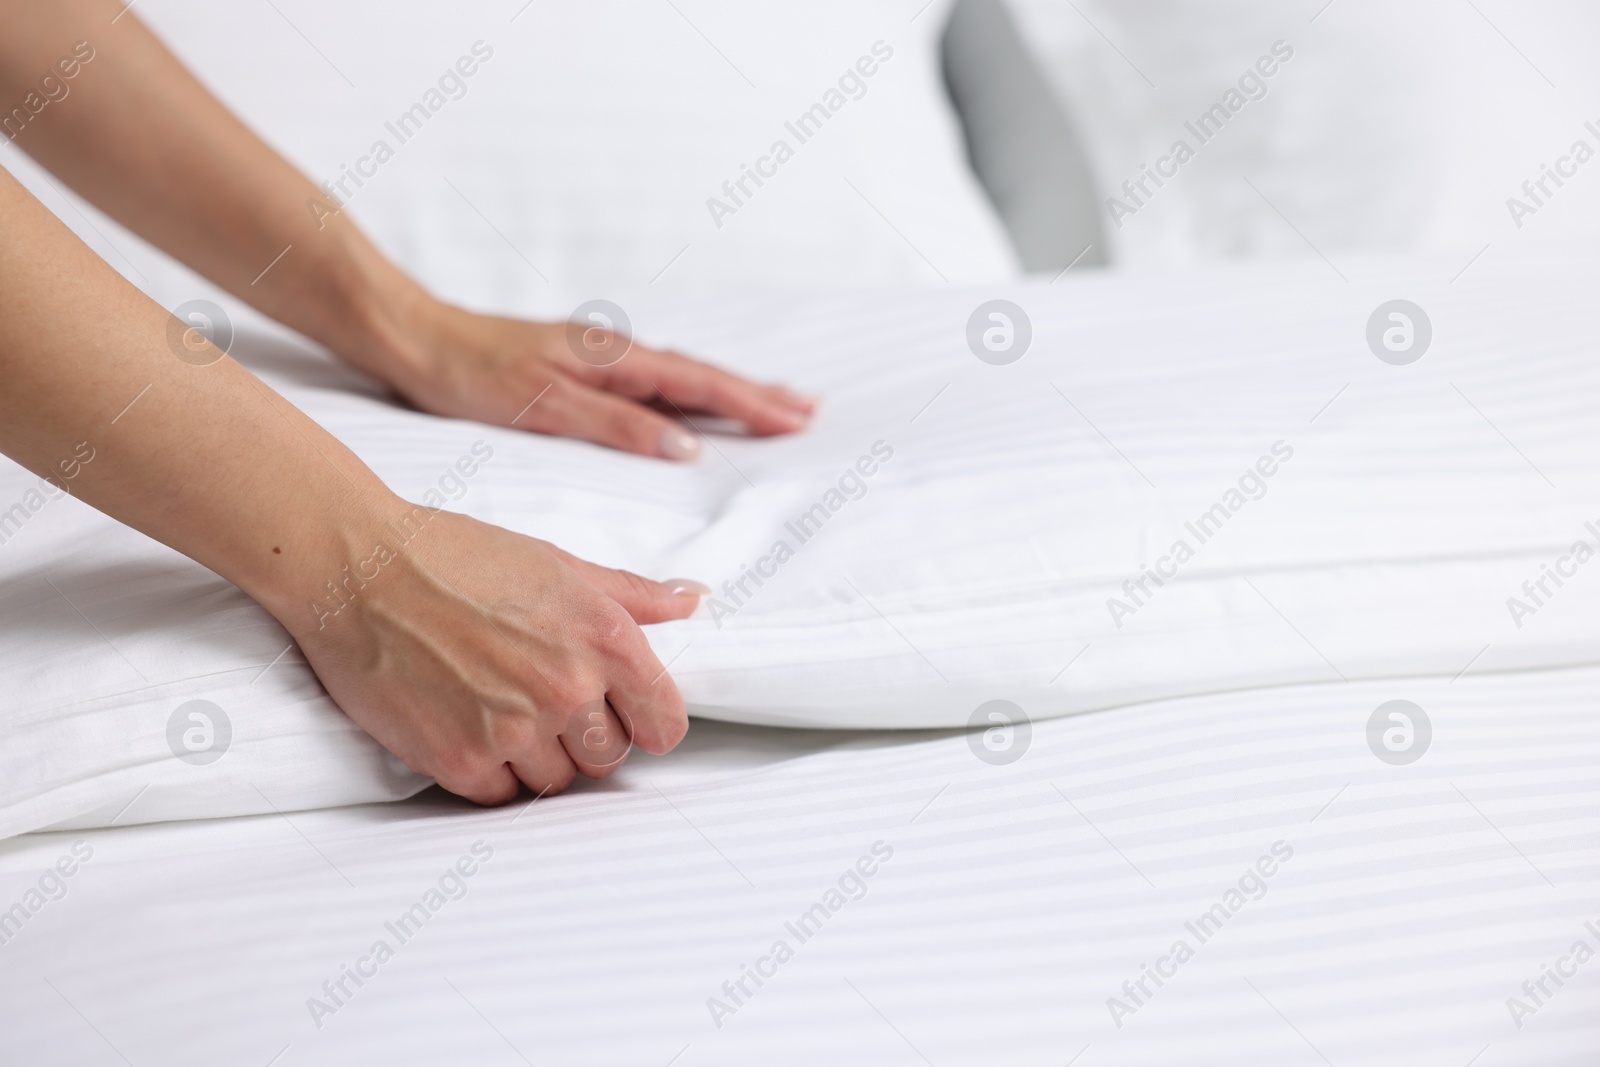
x=686, y=587
x=678, y=444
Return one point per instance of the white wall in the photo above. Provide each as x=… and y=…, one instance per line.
x=1394, y=125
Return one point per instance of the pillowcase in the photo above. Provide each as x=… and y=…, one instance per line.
x=1230, y=492
x=1353, y=125
x=529, y=157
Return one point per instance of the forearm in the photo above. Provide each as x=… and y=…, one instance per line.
x=133, y=132
x=206, y=459
x=140, y=138
x=482, y=658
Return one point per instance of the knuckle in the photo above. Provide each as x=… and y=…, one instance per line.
x=515, y=732
x=482, y=784
x=500, y=789
x=457, y=765
x=663, y=728
x=637, y=428
x=600, y=771
x=611, y=630
x=568, y=693
x=553, y=781
x=555, y=404
x=677, y=726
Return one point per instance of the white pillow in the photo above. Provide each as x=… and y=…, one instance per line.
x=958, y=532
x=576, y=150
x=1390, y=126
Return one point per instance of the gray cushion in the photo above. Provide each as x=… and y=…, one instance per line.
x=1020, y=140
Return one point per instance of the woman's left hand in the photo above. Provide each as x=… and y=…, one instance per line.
x=572, y=380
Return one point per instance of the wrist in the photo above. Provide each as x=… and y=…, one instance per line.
x=393, y=324
x=376, y=318
x=330, y=561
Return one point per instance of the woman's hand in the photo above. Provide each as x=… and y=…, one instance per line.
x=476, y=655
x=481, y=657
x=573, y=380
x=204, y=188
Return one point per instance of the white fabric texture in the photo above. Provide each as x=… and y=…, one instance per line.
x=578, y=157
x=985, y=559
x=1017, y=901
x=1392, y=127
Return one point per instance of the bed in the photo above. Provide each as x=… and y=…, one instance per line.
x=986, y=773
x=1007, y=908
x=1023, y=884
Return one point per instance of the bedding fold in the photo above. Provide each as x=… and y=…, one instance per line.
x=1189, y=483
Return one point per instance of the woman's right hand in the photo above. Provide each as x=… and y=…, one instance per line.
x=482, y=657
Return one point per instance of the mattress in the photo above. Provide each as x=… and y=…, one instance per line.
x=1012, y=913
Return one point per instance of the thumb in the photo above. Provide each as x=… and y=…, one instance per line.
x=647, y=601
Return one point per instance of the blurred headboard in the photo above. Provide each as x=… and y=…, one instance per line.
x=1020, y=140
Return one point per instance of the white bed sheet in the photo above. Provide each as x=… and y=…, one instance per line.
x=982, y=560
x=1022, y=498
x=1018, y=899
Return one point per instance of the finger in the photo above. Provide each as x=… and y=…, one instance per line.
x=490, y=786
x=596, y=740
x=646, y=601
x=644, y=696
x=575, y=410
x=695, y=386
x=546, y=770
